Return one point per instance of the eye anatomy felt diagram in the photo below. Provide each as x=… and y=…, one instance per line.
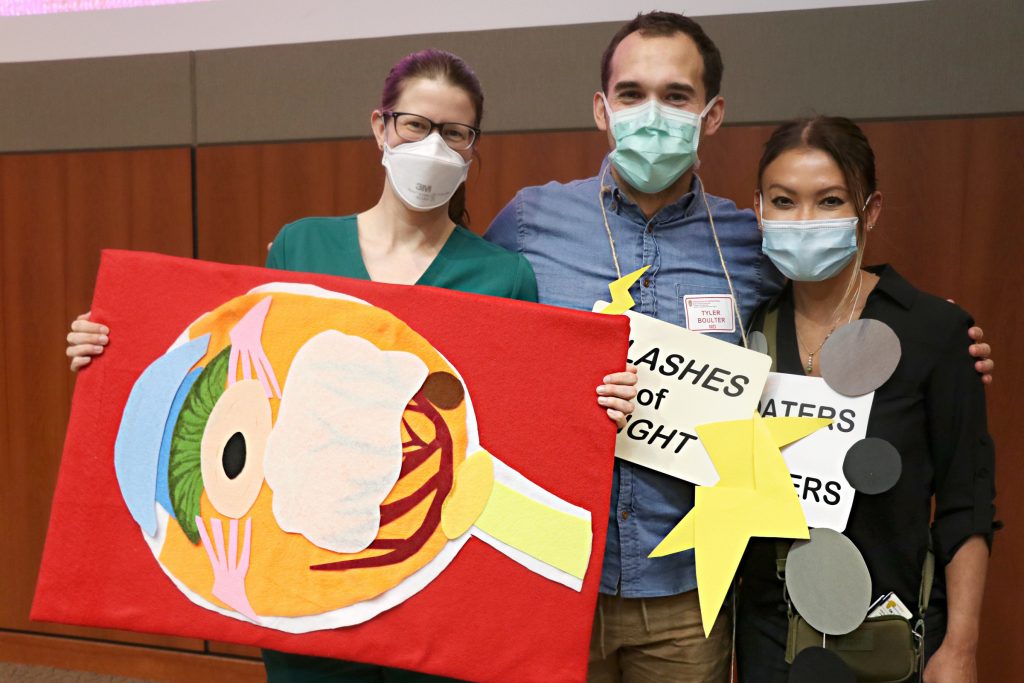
x=312, y=436
x=338, y=468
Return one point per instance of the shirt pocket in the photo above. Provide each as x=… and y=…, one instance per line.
x=711, y=307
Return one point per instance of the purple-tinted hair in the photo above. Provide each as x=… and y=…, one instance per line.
x=434, y=65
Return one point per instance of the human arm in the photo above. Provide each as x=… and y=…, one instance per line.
x=504, y=229
x=964, y=464
x=955, y=660
x=524, y=286
x=85, y=340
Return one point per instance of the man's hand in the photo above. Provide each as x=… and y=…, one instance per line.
x=617, y=393
x=980, y=350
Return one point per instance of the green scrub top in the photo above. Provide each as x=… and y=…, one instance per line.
x=466, y=263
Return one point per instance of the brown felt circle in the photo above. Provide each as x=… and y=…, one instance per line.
x=860, y=357
x=872, y=466
x=828, y=582
x=444, y=390
x=816, y=664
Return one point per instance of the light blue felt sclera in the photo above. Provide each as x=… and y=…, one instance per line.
x=137, y=448
x=163, y=491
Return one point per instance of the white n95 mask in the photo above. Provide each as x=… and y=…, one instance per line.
x=426, y=173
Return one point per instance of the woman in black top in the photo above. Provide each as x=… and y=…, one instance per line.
x=932, y=409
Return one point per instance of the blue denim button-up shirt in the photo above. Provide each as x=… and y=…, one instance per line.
x=559, y=228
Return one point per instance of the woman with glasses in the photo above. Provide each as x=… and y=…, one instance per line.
x=426, y=128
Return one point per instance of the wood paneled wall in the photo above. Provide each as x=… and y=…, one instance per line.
x=57, y=211
x=950, y=223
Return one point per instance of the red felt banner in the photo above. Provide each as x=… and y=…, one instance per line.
x=531, y=371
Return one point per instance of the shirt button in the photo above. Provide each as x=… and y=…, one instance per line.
x=625, y=515
x=650, y=228
x=647, y=282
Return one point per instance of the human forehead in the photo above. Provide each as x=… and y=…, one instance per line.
x=655, y=62
x=437, y=99
x=804, y=170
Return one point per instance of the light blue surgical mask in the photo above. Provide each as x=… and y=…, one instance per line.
x=654, y=143
x=810, y=250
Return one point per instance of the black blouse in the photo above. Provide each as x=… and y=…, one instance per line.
x=932, y=410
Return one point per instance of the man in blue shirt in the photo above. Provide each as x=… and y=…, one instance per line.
x=582, y=235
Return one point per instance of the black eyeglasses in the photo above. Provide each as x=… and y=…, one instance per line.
x=413, y=127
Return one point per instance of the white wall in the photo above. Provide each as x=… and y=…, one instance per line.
x=241, y=23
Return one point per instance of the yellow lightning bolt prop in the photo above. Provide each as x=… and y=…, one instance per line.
x=753, y=497
x=621, y=299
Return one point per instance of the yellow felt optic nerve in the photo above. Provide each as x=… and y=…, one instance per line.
x=515, y=517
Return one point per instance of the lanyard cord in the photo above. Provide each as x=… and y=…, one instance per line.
x=604, y=214
x=721, y=258
x=714, y=233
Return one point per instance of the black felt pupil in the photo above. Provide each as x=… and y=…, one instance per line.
x=233, y=459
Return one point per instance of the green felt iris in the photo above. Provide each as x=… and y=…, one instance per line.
x=184, y=474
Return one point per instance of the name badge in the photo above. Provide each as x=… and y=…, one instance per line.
x=710, y=313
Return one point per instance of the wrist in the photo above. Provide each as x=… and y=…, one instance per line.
x=962, y=641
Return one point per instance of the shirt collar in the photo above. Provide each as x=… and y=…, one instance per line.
x=892, y=285
x=684, y=207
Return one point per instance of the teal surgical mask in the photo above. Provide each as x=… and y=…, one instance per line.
x=654, y=143
x=810, y=250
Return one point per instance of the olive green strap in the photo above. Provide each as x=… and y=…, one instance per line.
x=927, y=577
x=771, y=326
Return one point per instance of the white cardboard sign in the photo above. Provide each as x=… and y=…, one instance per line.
x=816, y=462
x=685, y=379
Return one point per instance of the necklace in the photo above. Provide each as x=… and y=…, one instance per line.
x=714, y=233
x=809, y=368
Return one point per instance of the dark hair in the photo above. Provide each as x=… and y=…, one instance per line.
x=841, y=139
x=441, y=66
x=667, y=24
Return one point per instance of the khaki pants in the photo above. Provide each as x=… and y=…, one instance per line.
x=658, y=640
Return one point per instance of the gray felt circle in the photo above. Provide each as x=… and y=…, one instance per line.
x=860, y=357
x=816, y=664
x=828, y=582
x=758, y=342
x=872, y=466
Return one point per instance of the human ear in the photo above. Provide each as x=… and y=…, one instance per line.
x=600, y=113
x=379, y=127
x=714, y=118
x=874, y=209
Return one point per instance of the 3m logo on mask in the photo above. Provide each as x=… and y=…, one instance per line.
x=420, y=187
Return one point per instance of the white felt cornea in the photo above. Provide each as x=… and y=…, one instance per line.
x=336, y=449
